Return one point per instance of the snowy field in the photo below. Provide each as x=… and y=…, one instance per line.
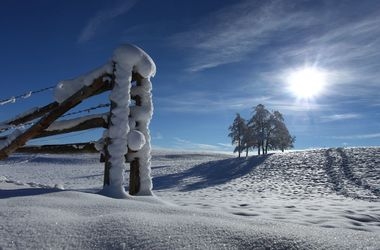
x=318, y=199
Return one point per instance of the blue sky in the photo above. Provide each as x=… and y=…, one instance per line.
x=214, y=58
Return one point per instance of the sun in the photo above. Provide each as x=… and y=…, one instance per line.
x=307, y=82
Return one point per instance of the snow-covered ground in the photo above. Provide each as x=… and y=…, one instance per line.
x=318, y=199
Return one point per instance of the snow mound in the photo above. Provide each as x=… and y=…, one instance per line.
x=66, y=219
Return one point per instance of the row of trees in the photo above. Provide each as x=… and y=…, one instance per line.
x=264, y=131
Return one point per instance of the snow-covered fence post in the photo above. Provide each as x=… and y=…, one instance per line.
x=139, y=157
x=128, y=132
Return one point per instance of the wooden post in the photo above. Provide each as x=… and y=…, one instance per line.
x=134, y=173
x=106, y=155
x=134, y=177
x=107, y=141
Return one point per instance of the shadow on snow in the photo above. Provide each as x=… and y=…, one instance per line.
x=25, y=192
x=209, y=174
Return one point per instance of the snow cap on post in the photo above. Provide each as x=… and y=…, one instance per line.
x=131, y=56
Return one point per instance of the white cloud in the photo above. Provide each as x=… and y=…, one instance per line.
x=340, y=117
x=206, y=102
x=89, y=31
x=183, y=144
x=157, y=136
x=360, y=136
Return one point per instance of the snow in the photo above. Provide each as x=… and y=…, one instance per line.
x=131, y=56
x=27, y=95
x=67, y=88
x=127, y=59
x=142, y=114
x=136, y=140
x=10, y=138
x=202, y=201
x=67, y=124
x=10, y=100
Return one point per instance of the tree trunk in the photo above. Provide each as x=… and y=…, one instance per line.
x=239, y=147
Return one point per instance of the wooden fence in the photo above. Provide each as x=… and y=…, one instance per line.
x=47, y=121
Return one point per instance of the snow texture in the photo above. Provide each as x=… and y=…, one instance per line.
x=67, y=88
x=136, y=140
x=319, y=199
x=142, y=115
x=67, y=124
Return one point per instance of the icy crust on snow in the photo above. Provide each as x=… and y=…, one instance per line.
x=67, y=124
x=67, y=88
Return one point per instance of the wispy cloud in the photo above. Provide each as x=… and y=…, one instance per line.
x=347, y=47
x=283, y=35
x=103, y=16
x=359, y=137
x=157, y=136
x=207, y=102
x=230, y=34
x=211, y=102
x=189, y=145
x=340, y=117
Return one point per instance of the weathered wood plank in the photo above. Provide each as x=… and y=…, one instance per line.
x=49, y=107
x=97, y=122
x=134, y=173
x=96, y=87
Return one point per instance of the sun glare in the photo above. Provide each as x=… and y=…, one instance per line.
x=307, y=82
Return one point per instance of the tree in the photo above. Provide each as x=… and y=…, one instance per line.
x=260, y=123
x=250, y=140
x=274, y=130
x=238, y=129
x=282, y=139
x=265, y=130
